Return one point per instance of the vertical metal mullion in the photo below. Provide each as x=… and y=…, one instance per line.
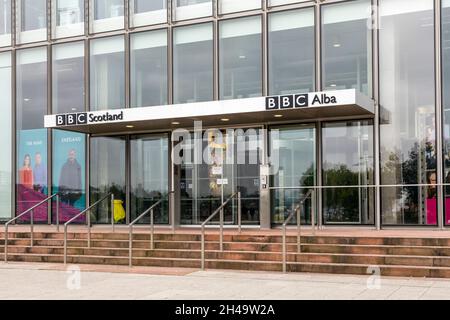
x=49, y=131
x=439, y=113
x=216, y=79
x=318, y=46
x=264, y=43
x=127, y=71
x=376, y=96
x=319, y=174
x=318, y=64
x=126, y=15
x=49, y=20
x=87, y=174
x=127, y=180
x=13, y=131
x=169, y=53
x=86, y=17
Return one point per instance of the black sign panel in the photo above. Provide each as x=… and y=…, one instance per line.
x=287, y=101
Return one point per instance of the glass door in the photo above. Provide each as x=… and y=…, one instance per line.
x=149, y=177
x=107, y=175
x=293, y=169
x=215, y=165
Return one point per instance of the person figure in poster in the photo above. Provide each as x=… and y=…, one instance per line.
x=70, y=180
x=39, y=174
x=26, y=173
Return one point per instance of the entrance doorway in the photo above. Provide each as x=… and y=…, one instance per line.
x=136, y=170
x=215, y=165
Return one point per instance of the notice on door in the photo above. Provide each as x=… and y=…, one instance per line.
x=222, y=181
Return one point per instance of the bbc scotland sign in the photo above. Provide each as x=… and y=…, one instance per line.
x=71, y=119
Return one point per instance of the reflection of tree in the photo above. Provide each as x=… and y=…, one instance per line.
x=395, y=171
x=341, y=204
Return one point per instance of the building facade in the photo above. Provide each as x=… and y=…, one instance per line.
x=193, y=76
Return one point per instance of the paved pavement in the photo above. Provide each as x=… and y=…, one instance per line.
x=51, y=281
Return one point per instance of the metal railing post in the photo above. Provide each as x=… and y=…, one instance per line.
x=284, y=247
x=88, y=213
x=57, y=213
x=31, y=211
x=203, y=248
x=239, y=212
x=65, y=244
x=313, y=216
x=299, y=229
x=221, y=229
x=6, y=243
x=112, y=212
x=130, y=246
x=152, y=230
x=32, y=228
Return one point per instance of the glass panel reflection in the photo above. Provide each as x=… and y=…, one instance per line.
x=291, y=52
x=408, y=121
x=193, y=64
x=446, y=101
x=240, y=58
x=293, y=161
x=346, y=46
x=149, y=177
x=107, y=175
x=348, y=160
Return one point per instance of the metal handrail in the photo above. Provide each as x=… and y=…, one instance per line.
x=88, y=221
x=31, y=220
x=220, y=209
x=289, y=218
x=152, y=228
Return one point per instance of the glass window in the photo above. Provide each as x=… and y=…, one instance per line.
x=227, y=6
x=5, y=23
x=107, y=15
x=31, y=100
x=107, y=89
x=346, y=46
x=446, y=100
x=68, y=18
x=407, y=99
x=347, y=149
x=107, y=175
x=148, y=68
x=189, y=9
x=5, y=136
x=149, y=179
x=68, y=77
x=69, y=165
x=240, y=58
x=31, y=88
x=291, y=52
x=193, y=63
x=32, y=20
x=273, y=3
x=293, y=165
x=146, y=12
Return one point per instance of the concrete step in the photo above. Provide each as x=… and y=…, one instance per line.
x=241, y=238
x=432, y=261
x=245, y=246
x=313, y=267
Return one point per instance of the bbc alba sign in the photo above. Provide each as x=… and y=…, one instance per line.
x=303, y=100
